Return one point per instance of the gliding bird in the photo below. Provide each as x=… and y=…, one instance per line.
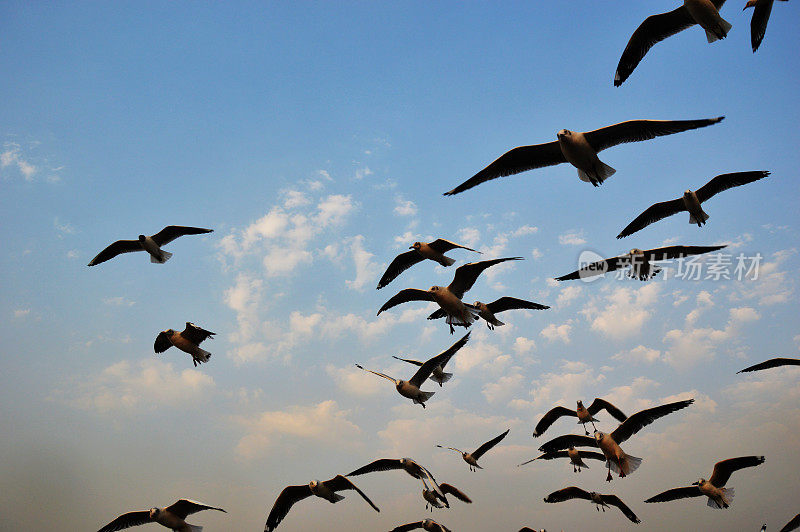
x=187, y=341
x=408, y=465
x=432, y=498
x=420, y=251
x=472, y=458
x=584, y=415
x=438, y=374
x=602, y=501
x=150, y=244
x=426, y=524
x=758, y=24
x=487, y=311
x=575, y=457
x=172, y=517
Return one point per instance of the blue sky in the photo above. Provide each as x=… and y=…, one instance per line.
x=316, y=140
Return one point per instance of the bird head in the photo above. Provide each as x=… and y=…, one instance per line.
x=154, y=512
x=416, y=246
x=636, y=251
x=750, y=3
x=477, y=304
x=564, y=133
x=580, y=404
x=702, y=480
x=142, y=238
x=571, y=447
x=435, y=288
x=313, y=484
x=687, y=193
x=598, y=435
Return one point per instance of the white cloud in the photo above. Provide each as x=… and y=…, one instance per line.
x=523, y=345
x=768, y=283
x=22, y=313
x=404, y=207
x=118, y=301
x=334, y=209
x=572, y=238
x=502, y=389
x=361, y=173
x=638, y=354
x=295, y=198
x=12, y=156
x=555, y=332
x=356, y=382
x=524, y=230
x=623, y=312
x=469, y=236
x=567, y=294
x=536, y=254
x=563, y=388
x=366, y=270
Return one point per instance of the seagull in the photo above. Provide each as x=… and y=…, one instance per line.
x=584, y=415
x=326, y=490
x=718, y=496
x=150, y=244
x=487, y=311
x=575, y=457
x=772, y=363
x=472, y=458
x=187, y=341
x=758, y=24
x=794, y=524
x=449, y=297
x=656, y=28
x=420, y=251
x=410, y=388
x=580, y=150
x=432, y=498
x=602, y=501
x=408, y=465
x=172, y=517
x=438, y=374
x=616, y=459
x=639, y=260
x=425, y=524
x=529, y=529
x=691, y=201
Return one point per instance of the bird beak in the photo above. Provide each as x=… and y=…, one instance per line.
x=696, y=483
x=410, y=247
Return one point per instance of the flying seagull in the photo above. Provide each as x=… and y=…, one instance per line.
x=794, y=524
x=616, y=459
x=580, y=150
x=326, y=490
x=772, y=363
x=758, y=24
x=718, y=496
x=172, y=517
x=187, y=341
x=420, y=251
x=575, y=457
x=425, y=524
x=584, y=415
x=449, y=297
x=438, y=374
x=432, y=499
x=656, y=28
x=690, y=201
x=410, y=388
x=406, y=464
x=472, y=458
x=640, y=262
x=487, y=311
x=150, y=244
x=602, y=501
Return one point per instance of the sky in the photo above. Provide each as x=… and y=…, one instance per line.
x=316, y=140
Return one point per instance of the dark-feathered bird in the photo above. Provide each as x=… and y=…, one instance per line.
x=602, y=501
x=639, y=260
x=575, y=457
x=794, y=524
x=326, y=490
x=438, y=374
x=580, y=149
x=406, y=464
x=758, y=24
x=449, y=297
x=487, y=311
x=771, y=363
x=188, y=341
x=150, y=244
x=656, y=28
x=690, y=201
x=420, y=251
x=584, y=415
x=472, y=458
x=172, y=517
x=718, y=496
x=433, y=500
x=426, y=524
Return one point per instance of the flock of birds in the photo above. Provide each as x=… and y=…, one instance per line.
x=579, y=149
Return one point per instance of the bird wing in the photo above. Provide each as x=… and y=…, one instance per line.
x=401, y=263
x=654, y=29
x=127, y=520
x=596, y=268
x=437, y=314
x=758, y=24
x=726, y=181
x=678, y=252
x=404, y=296
x=772, y=363
x=407, y=526
x=613, y=500
x=382, y=464
x=441, y=245
x=195, y=334
x=565, y=494
x=449, y=489
x=514, y=161
x=284, y=502
x=511, y=303
x=638, y=130
x=676, y=493
x=601, y=404
x=653, y=214
x=794, y=524
x=480, y=451
x=162, y=342
x=120, y=246
x=593, y=455
x=441, y=359
x=410, y=361
x=185, y=507
x=641, y=419
x=340, y=483
x=552, y=455
x=467, y=274
x=171, y=232
x=725, y=468
x=563, y=442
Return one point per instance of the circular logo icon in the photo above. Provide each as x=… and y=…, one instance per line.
x=591, y=266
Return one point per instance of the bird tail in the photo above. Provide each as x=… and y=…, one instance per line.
x=195, y=528
x=446, y=261
x=336, y=498
x=600, y=172
x=582, y=464
x=467, y=319
x=201, y=356
x=727, y=498
x=629, y=465
x=423, y=396
x=703, y=217
x=165, y=256
x=495, y=322
x=445, y=377
x=720, y=31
